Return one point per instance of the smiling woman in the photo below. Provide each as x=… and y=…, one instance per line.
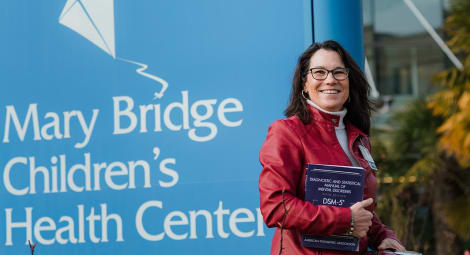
x=331, y=57
x=328, y=122
x=330, y=92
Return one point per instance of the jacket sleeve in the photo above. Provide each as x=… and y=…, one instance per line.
x=378, y=232
x=282, y=159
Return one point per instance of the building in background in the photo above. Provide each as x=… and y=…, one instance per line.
x=401, y=54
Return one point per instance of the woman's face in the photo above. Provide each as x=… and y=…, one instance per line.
x=330, y=94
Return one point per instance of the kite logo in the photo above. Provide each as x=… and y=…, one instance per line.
x=94, y=20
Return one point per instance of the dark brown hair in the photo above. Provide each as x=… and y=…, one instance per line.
x=359, y=106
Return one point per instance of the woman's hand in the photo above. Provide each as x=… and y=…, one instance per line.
x=389, y=243
x=362, y=217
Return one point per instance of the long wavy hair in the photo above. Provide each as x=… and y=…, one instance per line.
x=359, y=106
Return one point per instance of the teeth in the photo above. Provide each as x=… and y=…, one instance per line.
x=330, y=91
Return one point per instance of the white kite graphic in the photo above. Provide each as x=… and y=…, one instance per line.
x=94, y=20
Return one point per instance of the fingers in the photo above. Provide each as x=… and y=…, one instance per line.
x=363, y=203
x=389, y=243
x=367, y=202
x=361, y=227
x=383, y=246
x=362, y=217
x=400, y=248
x=360, y=233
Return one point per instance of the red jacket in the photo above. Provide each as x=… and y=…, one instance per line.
x=288, y=147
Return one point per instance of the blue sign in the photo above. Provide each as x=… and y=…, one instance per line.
x=133, y=127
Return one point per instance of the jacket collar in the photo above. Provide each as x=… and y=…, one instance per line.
x=333, y=120
x=323, y=117
x=341, y=114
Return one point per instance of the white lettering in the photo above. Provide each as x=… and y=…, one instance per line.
x=69, y=228
x=86, y=129
x=223, y=109
x=38, y=227
x=139, y=224
x=201, y=111
x=121, y=170
x=55, y=124
x=46, y=232
x=192, y=219
x=234, y=219
x=91, y=218
x=220, y=212
x=104, y=224
x=26, y=224
x=21, y=130
x=184, y=109
x=145, y=166
x=170, y=172
x=176, y=223
x=51, y=128
x=85, y=168
x=199, y=118
x=127, y=112
x=168, y=222
x=6, y=176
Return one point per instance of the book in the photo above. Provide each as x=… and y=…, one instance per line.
x=333, y=185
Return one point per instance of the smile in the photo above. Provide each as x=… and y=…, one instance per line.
x=329, y=91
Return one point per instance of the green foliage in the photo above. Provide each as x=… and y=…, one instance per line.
x=458, y=26
x=458, y=211
x=453, y=104
x=409, y=151
x=410, y=147
x=431, y=144
x=453, y=101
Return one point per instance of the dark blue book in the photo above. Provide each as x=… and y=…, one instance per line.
x=333, y=185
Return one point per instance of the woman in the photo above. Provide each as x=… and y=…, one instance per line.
x=328, y=119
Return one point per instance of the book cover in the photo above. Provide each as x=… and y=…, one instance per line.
x=333, y=185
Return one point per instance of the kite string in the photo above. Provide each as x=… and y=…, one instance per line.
x=141, y=70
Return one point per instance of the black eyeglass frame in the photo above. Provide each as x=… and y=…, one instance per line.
x=328, y=72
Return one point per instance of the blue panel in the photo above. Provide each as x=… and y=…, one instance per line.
x=93, y=161
x=308, y=34
x=340, y=20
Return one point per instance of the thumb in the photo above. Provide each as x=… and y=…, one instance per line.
x=367, y=202
x=381, y=246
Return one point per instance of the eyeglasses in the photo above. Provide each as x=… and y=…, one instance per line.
x=321, y=74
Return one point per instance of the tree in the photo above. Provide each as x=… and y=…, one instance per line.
x=408, y=164
x=432, y=147
x=453, y=101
